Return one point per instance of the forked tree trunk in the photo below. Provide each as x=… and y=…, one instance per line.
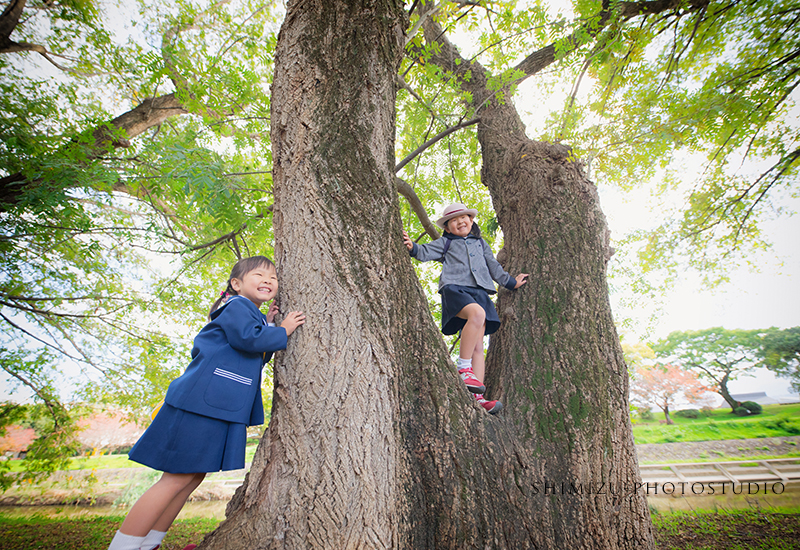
x=667, y=417
x=374, y=441
x=722, y=389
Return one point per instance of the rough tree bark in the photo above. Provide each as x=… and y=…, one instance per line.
x=373, y=441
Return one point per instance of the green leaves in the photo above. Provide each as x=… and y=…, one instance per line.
x=713, y=84
x=780, y=352
x=717, y=353
x=118, y=234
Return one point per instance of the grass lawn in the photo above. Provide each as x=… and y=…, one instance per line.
x=774, y=421
x=726, y=530
x=89, y=533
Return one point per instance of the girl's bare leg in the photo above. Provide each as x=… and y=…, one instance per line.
x=478, y=358
x=472, y=335
x=171, y=512
x=157, y=500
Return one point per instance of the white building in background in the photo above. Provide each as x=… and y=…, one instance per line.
x=759, y=397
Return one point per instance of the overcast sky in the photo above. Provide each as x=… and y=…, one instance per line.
x=752, y=300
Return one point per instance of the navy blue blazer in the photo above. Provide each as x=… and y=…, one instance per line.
x=223, y=380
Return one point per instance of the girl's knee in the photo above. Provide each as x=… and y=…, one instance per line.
x=477, y=316
x=180, y=481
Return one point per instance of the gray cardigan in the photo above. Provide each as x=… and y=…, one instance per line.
x=469, y=262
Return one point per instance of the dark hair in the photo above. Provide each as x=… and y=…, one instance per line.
x=475, y=231
x=240, y=269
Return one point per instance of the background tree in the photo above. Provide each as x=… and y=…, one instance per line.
x=781, y=353
x=665, y=385
x=717, y=354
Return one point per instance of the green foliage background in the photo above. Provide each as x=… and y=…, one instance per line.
x=114, y=245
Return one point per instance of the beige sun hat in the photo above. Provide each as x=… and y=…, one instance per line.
x=453, y=211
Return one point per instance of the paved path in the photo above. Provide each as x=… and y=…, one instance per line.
x=714, y=451
x=779, y=470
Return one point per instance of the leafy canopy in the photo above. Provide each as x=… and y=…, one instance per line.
x=780, y=352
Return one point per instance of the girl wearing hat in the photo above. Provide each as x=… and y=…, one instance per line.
x=468, y=271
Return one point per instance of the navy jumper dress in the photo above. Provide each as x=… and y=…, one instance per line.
x=202, y=426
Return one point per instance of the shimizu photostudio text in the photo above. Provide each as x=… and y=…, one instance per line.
x=653, y=488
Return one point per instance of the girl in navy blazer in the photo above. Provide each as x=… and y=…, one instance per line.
x=202, y=426
x=468, y=271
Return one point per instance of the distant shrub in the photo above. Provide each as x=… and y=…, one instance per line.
x=706, y=410
x=645, y=414
x=793, y=429
x=688, y=413
x=752, y=406
x=784, y=423
x=741, y=411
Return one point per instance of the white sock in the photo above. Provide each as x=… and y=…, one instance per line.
x=125, y=542
x=464, y=363
x=153, y=539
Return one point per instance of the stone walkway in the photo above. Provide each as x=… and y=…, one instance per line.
x=717, y=450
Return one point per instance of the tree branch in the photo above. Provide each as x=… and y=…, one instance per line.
x=167, y=43
x=545, y=56
x=450, y=59
x=115, y=133
x=51, y=405
x=31, y=335
x=416, y=205
x=9, y=20
x=433, y=140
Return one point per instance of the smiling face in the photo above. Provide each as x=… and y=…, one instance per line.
x=460, y=225
x=259, y=285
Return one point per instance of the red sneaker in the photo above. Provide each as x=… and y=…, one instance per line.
x=190, y=547
x=492, y=407
x=473, y=384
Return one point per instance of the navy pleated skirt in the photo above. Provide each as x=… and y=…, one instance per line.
x=455, y=297
x=181, y=442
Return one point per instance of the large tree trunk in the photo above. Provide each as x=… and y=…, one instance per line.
x=556, y=361
x=374, y=441
x=327, y=472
